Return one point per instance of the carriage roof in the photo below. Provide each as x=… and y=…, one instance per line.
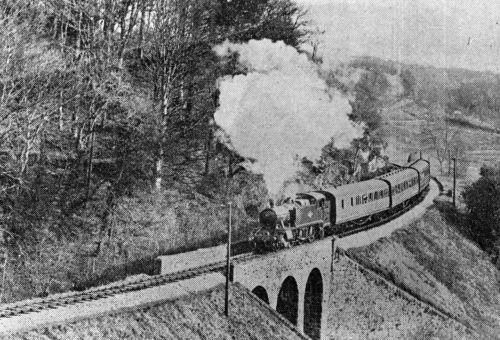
x=357, y=188
x=420, y=164
x=399, y=175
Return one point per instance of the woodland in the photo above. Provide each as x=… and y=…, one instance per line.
x=109, y=153
x=107, y=104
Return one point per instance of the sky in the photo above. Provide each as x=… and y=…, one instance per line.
x=447, y=33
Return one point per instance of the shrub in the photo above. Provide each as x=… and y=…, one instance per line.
x=483, y=202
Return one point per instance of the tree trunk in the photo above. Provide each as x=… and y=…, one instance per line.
x=61, y=112
x=141, y=31
x=90, y=160
x=158, y=168
x=162, y=139
x=4, y=274
x=208, y=155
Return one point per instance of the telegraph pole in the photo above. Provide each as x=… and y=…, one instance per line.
x=449, y=162
x=454, y=181
x=228, y=259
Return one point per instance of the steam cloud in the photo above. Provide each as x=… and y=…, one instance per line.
x=280, y=109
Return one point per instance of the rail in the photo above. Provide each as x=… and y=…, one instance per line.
x=241, y=255
x=37, y=305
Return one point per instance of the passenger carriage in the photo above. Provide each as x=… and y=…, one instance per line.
x=424, y=169
x=357, y=202
x=404, y=185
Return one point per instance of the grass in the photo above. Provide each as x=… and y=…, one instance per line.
x=435, y=261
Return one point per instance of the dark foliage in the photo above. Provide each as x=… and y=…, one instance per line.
x=483, y=202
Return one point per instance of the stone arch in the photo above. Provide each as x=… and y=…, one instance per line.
x=261, y=293
x=288, y=300
x=313, y=299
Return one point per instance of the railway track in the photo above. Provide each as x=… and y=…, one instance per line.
x=20, y=308
x=241, y=255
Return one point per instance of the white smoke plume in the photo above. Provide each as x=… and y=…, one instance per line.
x=280, y=109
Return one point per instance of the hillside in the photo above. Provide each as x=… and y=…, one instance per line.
x=360, y=308
x=195, y=316
x=432, y=259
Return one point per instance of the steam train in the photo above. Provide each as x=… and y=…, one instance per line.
x=312, y=215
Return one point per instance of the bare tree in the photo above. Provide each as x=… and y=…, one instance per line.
x=172, y=32
x=439, y=135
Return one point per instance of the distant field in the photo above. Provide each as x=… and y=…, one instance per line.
x=402, y=126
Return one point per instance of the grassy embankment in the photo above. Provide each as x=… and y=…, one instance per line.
x=434, y=260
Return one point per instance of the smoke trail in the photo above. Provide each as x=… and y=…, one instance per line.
x=280, y=109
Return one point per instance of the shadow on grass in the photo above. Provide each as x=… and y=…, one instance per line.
x=459, y=220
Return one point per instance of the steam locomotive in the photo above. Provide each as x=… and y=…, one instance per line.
x=312, y=215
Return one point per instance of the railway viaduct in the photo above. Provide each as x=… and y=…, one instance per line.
x=296, y=282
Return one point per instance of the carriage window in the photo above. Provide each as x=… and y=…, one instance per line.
x=365, y=199
x=376, y=195
x=342, y=204
x=352, y=201
x=358, y=200
x=370, y=197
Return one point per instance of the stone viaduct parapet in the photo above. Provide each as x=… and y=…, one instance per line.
x=296, y=282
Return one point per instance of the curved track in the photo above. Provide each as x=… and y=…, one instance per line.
x=52, y=302
x=375, y=224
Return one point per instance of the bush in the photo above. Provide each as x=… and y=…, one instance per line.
x=483, y=202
